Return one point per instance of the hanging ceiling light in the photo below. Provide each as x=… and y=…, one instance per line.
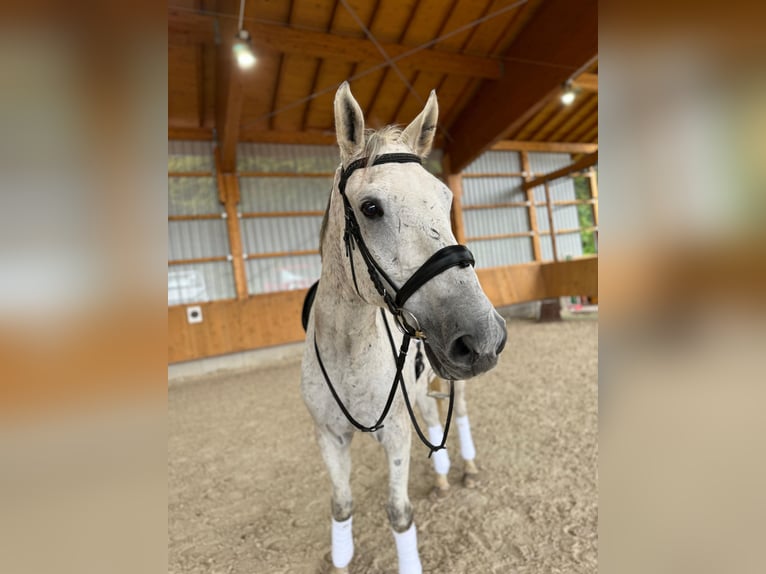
x=243, y=45
x=243, y=50
x=568, y=95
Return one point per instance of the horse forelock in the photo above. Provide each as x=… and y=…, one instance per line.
x=375, y=141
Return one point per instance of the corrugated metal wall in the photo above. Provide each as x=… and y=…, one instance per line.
x=274, y=195
x=564, y=216
x=280, y=158
x=497, y=188
x=195, y=239
x=190, y=156
x=488, y=190
x=496, y=162
x=281, y=228
x=493, y=189
x=284, y=194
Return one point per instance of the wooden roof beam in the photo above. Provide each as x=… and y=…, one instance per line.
x=229, y=93
x=190, y=27
x=559, y=38
x=552, y=147
x=586, y=82
x=579, y=165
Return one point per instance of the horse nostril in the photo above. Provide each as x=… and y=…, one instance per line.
x=462, y=348
x=501, y=346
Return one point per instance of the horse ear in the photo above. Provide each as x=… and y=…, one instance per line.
x=349, y=123
x=420, y=133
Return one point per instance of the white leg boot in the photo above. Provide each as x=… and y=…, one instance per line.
x=467, y=449
x=407, y=550
x=342, y=543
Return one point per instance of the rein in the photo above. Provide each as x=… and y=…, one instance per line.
x=394, y=297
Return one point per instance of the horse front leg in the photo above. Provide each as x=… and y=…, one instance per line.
x=396, y=442
x=467, y=448
x=336, y=454
x=429, y=408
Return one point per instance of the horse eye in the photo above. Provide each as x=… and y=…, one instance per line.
x=371, y=209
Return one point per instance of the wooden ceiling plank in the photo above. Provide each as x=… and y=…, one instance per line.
x=560, y=116
x=476, y=39
x=182, y=29
x=485, y=36
x=508, y=25
x=589, y=106
x=462, y=13
x=260, y=90
x=423, y=84
x=275, y=92
x=581, y=129
x=210, y=87
x=528, y=128
x=320, y=113
x=295, y=84
x=201, y=103
x=430, y=22
x=520, y=19
x=562, y=34
x=591, y=135
x=325, y=19
x=263, y=9
x=333, y=70
x=183, y=109
x=396, y=117
x=393, y=28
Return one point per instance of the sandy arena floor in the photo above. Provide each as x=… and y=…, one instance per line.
x=248, y=491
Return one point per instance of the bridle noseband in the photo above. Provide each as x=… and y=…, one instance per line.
x=394, y=297
x=443, y=259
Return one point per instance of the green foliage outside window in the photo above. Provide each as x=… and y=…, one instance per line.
x=585, y=216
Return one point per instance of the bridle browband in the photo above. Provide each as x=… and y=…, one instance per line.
x=393, y=296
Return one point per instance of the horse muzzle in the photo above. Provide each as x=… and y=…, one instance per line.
x=471, y=352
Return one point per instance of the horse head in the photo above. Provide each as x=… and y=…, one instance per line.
x=401, y=214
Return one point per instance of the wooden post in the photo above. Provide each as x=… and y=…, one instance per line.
x=594, y=194
x=235, y=235
x=455, y=183
x=549, y=207
x=532, y=210
x=228, y=193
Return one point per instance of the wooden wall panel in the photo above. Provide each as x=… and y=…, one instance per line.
x=575, y=277
x=535, y=281
x=232, y=326
x=275, y=318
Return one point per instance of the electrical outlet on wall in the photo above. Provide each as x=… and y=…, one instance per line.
x=194, y=314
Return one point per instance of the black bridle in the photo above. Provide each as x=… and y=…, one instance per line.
x=393, y=296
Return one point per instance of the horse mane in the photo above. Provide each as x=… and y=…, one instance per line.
x=374, y=142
